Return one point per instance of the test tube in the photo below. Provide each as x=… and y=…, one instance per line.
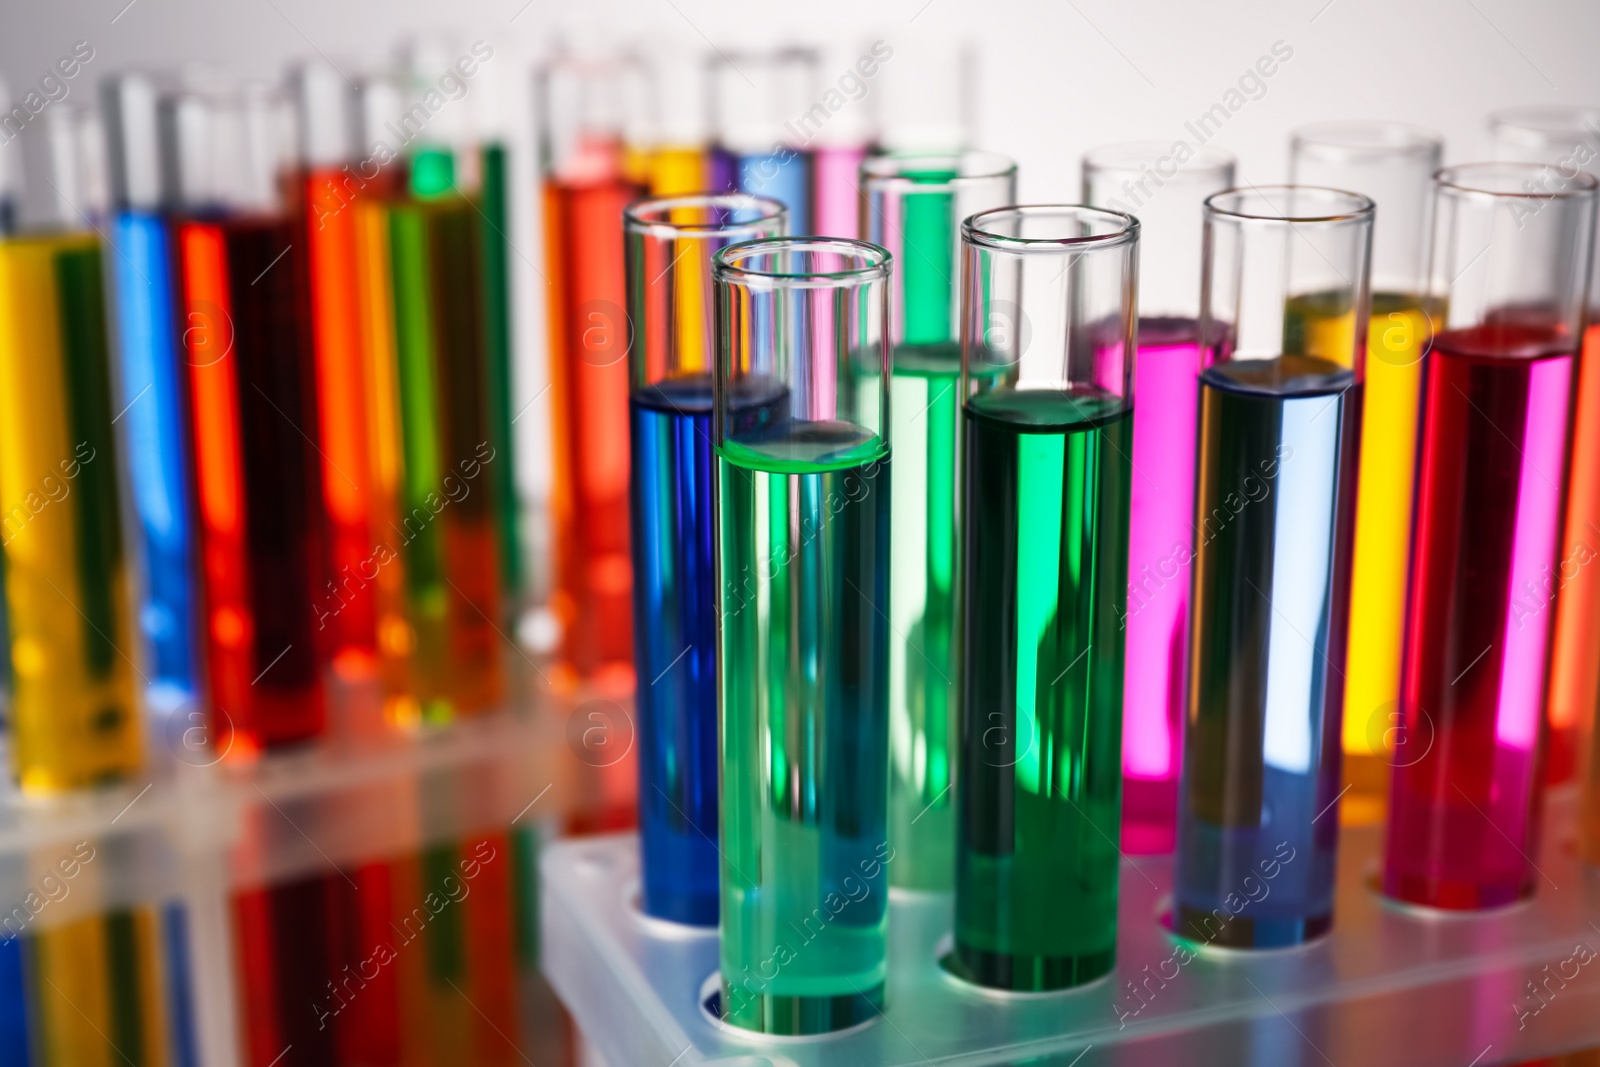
x=1567, y=140
x=763, y=129
x=1047, y=351
x=1510, y=272
x=1165, y=192
x=675, y=129
x=252, y=391
x=914, y=207
x=327, y=184
x=801, y=426
x=1392, y=164
x=74, y=715
x=845, y=120
x=582, y=103
x=152, y=371
x=1283, y=326
x=448, y=534
x=670, y=242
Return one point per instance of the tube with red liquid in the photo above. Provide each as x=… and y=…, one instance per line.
x=1510, y=272
x=244, y=320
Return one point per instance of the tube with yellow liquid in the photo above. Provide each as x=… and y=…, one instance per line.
x=1392, y=164
x=75, y=718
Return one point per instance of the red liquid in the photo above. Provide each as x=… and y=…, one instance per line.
x=252, y=387
x=1464, y=811
x=288, y=952
x=589, y=373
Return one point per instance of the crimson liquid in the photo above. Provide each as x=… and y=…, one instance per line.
x=1464, y=812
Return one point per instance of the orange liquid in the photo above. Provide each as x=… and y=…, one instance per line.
x=589, y=378
x=346, y=611
x=1575, y=658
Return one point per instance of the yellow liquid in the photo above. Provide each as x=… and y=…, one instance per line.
x=396, y=637
x=75, y=719
x=1397, y=336
x=673, y=171
x=96, y=986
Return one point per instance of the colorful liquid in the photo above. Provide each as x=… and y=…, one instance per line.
x=1575, y=659
x=349, y=626
x=74, y=718
x=674, y=170
x=589, y=376
x=923, y=661
x=287, y=950
x=385, y=568
x=93, y=992
x=838, y=192
x=676, y=643
x=252, y=389
x=157, y=439
x=1399, y=333
x=1466, y=796
x=502, y=381
x=785, y=175
x=448, y=533
x=1160, y=549
x=803, y=543
x=1044, y=551
x=1275, y=489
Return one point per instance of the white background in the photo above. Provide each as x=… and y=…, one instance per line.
x=1054, y=77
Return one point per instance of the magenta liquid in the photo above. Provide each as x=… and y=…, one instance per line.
x=1160, y=547
x=837, y=190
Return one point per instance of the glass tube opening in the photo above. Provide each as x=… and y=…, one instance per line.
x=731, y=217
x=1289, y=204
x=1358, y=141
x=802, y=263
x=934, y=171
x=1050, y=228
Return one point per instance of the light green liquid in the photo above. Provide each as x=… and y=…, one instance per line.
x=803, y=538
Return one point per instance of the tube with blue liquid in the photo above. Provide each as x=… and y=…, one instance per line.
x=670, y=242
x=759, y=150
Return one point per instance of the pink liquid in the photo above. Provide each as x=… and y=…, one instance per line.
x=1464, y=810
x=1160, y=544
x=837, y=191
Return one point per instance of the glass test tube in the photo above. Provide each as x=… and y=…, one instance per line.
x=1047, y=375
x=674, y=131
x=152, y=371
x=586, y=187
x=762, y=132
x=252, y=391
x=670, y=242
x=1510, y=270
x=839, y=126
x=75, y=718
x=1393, y=165
x=800, y=422
x=326, y=184
x=1144, y=179
x=1567, y=139
x=449, y=529
x=914, y=208
x=1283, y=327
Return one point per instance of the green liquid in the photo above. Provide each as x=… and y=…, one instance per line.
x=1045, y=540
x=497, y=337
x=803, y=653
x=923, y=661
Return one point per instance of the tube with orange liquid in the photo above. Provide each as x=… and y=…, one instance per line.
x=586, y=186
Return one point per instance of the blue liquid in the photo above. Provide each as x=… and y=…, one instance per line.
x=675, y=641
x=1275, y=490
x=179, y=987
x=785, y=176
x=14, y=994
x=147, y=340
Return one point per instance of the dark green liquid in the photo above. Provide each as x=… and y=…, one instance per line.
x=1044, y=580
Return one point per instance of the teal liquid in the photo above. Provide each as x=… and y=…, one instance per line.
x=803, y=653
x=923, y=661
x=1045, y=528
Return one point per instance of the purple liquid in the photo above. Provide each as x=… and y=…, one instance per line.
x=1160, y=547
